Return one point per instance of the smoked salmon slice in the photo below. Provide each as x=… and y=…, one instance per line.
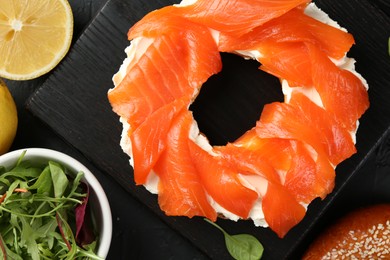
x=149, y=139
x=281, y=210
x=287, y=60
x=237, y=17
x=343, y=94
x=191, y=56
x=293, y=26
x=233, y=17
x=222, y=183
x=276, y=150
x=173, y=66
x=307, y=179
x=304, y=177
x=248, y=162
x=339, y=143
x=180, y=188
x=303, y=120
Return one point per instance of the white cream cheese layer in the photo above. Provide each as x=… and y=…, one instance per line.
x=257, y=183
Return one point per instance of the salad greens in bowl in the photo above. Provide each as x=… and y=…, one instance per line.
x=51, y=207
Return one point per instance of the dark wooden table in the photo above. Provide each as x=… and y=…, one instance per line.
x=138, y=232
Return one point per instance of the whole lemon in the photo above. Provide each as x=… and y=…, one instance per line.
x=8, y=118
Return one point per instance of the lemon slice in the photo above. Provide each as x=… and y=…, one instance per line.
x=34, y=36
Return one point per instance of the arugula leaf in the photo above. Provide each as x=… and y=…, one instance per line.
x=241, y=246
x=60, y=181
x=46, y=229
x=28, y=237
x=77, y=182
x=43, y=184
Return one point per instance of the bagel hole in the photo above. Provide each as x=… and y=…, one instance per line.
x=230, y=102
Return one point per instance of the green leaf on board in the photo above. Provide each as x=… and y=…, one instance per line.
x=241, y=246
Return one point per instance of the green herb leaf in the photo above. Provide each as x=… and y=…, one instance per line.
x=28, y=238
x=47, y=229
x=76, y=182
x=44, y=184
x=241, y=246
x=60, y=181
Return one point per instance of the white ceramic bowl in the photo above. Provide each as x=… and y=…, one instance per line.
x=98, y=200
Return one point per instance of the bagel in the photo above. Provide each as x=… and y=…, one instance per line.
x=274, y=170
x=361, y=234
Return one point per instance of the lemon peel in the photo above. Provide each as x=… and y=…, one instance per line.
x=8, y=118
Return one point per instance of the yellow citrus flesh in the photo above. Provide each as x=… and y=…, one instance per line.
x=8, y=119
x=34, y=36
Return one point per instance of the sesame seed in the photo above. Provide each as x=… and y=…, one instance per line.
x=372, y=244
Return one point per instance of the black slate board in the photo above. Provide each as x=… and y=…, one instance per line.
x=73, y=102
